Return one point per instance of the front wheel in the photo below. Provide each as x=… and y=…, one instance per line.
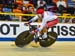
x=52, y=36
x=23, y=39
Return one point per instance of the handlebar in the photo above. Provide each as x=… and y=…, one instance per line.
x=31, y=27
x=27, y=24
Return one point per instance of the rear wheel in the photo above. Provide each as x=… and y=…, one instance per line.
x=52, y=36
x=23, y=39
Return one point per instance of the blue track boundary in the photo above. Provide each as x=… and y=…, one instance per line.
x=59, y=39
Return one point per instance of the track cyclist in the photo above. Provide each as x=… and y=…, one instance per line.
x=49, y=19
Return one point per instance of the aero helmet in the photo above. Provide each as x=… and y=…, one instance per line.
x=40, y=11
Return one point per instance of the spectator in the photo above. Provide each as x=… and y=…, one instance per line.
x=53, y=9
x=49, y=2
x=31, y=2
x=6, y=2
x=61, y=5
x=28, y=10
x=67, y=20
x=55, y=1
x=25, y=11
x=71, y=9
x=25, y=1
x=41, y=3
x=18, y=10
x=34, y=3
x=73, y=20
x=28, y=4
x=19, y=3
x=31, y=9
x=7, y=17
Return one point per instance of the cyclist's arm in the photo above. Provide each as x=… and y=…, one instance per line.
x=44, y=21
x=33, y=19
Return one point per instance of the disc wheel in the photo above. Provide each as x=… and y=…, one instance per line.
x=52, y=36
x=23, y=39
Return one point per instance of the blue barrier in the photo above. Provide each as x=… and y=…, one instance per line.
x=59, y=39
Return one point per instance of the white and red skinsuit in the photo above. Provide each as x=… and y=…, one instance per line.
x=49, y=19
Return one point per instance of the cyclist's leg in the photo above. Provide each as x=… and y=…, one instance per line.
x=44, y=31
x=51, y=23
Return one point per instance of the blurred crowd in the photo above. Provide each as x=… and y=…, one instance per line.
x=61, y=7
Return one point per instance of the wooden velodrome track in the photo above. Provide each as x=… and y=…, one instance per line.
x=59, y=48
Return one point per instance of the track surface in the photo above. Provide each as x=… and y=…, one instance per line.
x=57, y=49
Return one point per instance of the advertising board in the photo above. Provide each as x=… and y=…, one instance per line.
x=10, y=30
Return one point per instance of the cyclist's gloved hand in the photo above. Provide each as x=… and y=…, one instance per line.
x=27, y=23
